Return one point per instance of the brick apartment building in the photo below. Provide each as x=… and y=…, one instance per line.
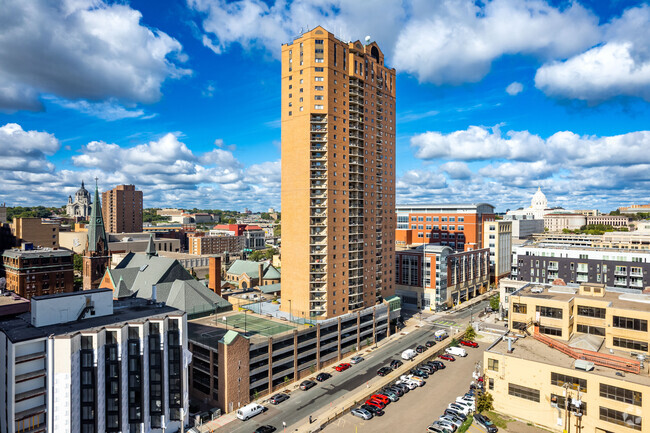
x=36, y=272
x=459, y=226
x=35, y=231
x=200, y=244
x=122, y=209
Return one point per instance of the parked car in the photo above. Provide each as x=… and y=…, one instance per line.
x=447, y=424
x=342, y=366
x=447, y=357
x=485, y=422
x=356, y=359
x=278, y=398
x=430, y=343
x=401, y=386
x=456, y=351
x=457, y=414
x=384, y=371
x=451, y=419
x=265, y=429
x=469, y=343
x=459, y=408
x=395, y=363
x=323, y=377
x=372, y=409
x=305, y=385
x=391, y=393
x=424, y=367
x=381, y=398
x=470, y=405
x=420, y=349
x=420, y=373
x=377, y=403
x=361, y=413
x=435, y=429
x=249, y=411
x=443, y=427
x=439, y=364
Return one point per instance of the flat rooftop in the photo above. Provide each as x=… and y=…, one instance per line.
x=629, y=299
x=124, y=311
x=440, y=207
x=550, y=244
x=532, y=350
x=37, y=252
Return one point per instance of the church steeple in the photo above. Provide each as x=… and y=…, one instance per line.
x=151, y=247
x=97, y=241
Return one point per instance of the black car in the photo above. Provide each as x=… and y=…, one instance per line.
x=439, y=364
x=401, y=386
x=384, y=371
x=420, y=373
x=432, y=365
x=265, y=429
x=430, y=343
x=485, y=422
x=278, y=398
x=395, y=389
x=307, y=384
x=323, y=377
x=420, y=349
x=456, y=414
x=372, y=409
x=395, y=363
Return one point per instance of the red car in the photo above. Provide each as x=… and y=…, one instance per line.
x=376, y=403
x=342, y=367
x=469, y=343
x=381, y=398
x=447, y=357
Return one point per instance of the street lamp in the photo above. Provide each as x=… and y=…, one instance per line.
x=290, y=315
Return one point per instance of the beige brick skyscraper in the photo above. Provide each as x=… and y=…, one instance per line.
x=338, y=176
x=122, y=209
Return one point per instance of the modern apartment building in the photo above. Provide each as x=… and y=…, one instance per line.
x=610, y=266
x=36, y=272
x=35, y=231
x=215, y=244
x=80, y=362
x=459, y=226
x=450, y=277
x=338, y=175
x=122, y=209
x=497, y=236
x=585, y=367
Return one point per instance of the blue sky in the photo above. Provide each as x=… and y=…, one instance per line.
x=494, y=98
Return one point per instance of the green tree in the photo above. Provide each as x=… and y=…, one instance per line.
x=484, y=402
x=470, y=333
x=265, y=216
x=78, y=263
x=454, y=342
x=494, y=302
x=277, y=230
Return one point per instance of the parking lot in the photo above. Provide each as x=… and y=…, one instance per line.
x=419, y=408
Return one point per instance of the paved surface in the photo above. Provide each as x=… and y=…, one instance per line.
x=423, y=405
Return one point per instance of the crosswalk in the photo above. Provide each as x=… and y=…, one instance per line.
x=446, y=323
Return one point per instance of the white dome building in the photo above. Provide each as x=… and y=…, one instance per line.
x=80, y=207
x=538, y=207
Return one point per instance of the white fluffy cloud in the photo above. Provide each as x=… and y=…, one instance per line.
x=81, y=50
x=514, y=88
x=620, y=66
x=26, y=151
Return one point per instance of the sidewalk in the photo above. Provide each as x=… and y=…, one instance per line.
x=411, y=325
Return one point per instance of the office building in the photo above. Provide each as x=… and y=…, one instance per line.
x=122, y=209
x=80, y=362
x=459, y=226
x=610, y=266
x=96, y=255
x=35, y=272
x=635, y=209
x=80, y=207
x=458, y=277
x=524, y=227
x=609, y=220
x=202, y=244
x=557, y=222
x=338, y=175
x=588, y=212
x=35, y=231
x=497, y=236
x=585, y=367
x=254, y=236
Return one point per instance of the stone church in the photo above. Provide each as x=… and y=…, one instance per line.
x=81, y=205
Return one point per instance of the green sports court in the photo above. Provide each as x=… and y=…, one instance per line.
x=256, y=325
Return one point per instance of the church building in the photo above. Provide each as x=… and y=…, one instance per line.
x=81, y=205
x=96, y=257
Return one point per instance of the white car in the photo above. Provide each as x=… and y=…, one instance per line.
x=356, y=360
x=471, y=406
x=459, y=408
x=409, y=383
x=451, y=420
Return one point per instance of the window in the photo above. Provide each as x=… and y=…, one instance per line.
x=629, y=323
x=557, y=332
x=318, y=69
x=593, y=330
x=560, y=379
x=591, y=311
x=318, y=97
x=523, y=392
x=641, y=346
x=620, y=394
x=461, y=219
x=550, y=312
x=318, y=107
x=319, y=79
x=493, y=364
x=519, y=308
x=561, y=403
x=491, y=384
x=620, y=418
x=318, y=41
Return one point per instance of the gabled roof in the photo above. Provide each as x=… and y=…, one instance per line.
x=251, y=269
x=270, y=288
x=188, y=295
x=230, y=337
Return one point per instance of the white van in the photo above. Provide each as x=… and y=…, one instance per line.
x=249, y=411
x=409, y=354
x=456, y=351
x=440, y=334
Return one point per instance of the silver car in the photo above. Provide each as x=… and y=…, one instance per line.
x=361, y=413
x=356, y=360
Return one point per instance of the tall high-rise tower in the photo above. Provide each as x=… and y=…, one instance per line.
x=338, y=176
x=123, y=209
x=96, y=255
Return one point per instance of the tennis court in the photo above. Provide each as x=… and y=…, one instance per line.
x=256, y=325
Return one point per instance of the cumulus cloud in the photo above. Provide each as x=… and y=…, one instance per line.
x=619, y=66
x=456, y=170
x=81, y=50
x=514, y=88
x=26, y=151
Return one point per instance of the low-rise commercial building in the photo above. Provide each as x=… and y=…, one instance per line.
x=524, y=227
x=459, y=226
x=581, y=369
x=80, y=362
x=556, y=222
x=36, y=272
x=449, y=278
x=635, y=209
x=35, y=231
x=497, y=236
x=254, y=235
x=199, y=244
x=609, y=220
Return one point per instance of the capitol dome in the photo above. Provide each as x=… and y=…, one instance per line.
x=539, y=200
